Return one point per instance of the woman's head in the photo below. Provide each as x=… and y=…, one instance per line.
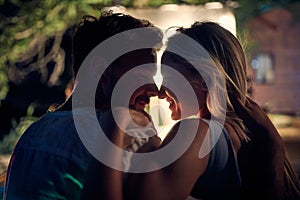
x=226, y=51
x=183, y=88
x=212, y=55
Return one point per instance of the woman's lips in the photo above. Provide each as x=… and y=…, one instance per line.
x=171, y=104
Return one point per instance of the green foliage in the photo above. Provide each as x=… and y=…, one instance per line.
x=195, y=2
x=9, y=141
x=36, y=18
x=127, y=3
x=26, y=21
x=249, y=9
x=3, y=83
x=157, y=3
x=247, y=44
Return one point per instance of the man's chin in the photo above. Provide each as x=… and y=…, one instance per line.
x=139, y=106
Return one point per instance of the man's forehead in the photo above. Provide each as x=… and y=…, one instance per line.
x=137, y=58
x=146, y=68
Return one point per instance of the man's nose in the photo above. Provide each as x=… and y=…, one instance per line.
x=162, y=92
x=152, y=93
x=152, y=90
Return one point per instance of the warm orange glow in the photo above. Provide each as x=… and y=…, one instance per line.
x=161, y=116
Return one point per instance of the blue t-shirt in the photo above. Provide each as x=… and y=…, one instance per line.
x=49, y=160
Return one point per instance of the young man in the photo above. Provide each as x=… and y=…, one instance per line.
x=50, y=160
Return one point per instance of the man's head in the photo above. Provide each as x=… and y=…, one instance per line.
x=92, y=32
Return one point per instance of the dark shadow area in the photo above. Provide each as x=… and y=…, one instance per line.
x=30, y=80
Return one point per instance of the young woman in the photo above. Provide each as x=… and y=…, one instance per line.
x=208, y=167
x=225, y=151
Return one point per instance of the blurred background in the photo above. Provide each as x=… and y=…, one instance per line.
x=35, y=55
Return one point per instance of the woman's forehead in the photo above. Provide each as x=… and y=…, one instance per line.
x=171, y=67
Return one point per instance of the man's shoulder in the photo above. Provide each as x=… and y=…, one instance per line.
x=49, y=124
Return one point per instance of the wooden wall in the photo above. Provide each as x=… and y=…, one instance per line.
x=278, y=32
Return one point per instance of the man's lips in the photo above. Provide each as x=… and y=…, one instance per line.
x=142, y=101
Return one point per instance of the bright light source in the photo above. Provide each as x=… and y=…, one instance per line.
x=213, y=5
x=169, y=7
x=227, y=20
x=158, y=77
x=116, y=9
x=161, y=116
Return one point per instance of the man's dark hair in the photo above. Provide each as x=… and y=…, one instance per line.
x=92, y=31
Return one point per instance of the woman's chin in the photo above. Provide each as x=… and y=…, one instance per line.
x=175, y=116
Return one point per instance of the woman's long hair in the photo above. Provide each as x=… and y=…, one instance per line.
x=219, y=57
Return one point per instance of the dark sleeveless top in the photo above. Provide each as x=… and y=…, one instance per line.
x=221, y=179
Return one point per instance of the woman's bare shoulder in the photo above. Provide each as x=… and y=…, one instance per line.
x=190, y=127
